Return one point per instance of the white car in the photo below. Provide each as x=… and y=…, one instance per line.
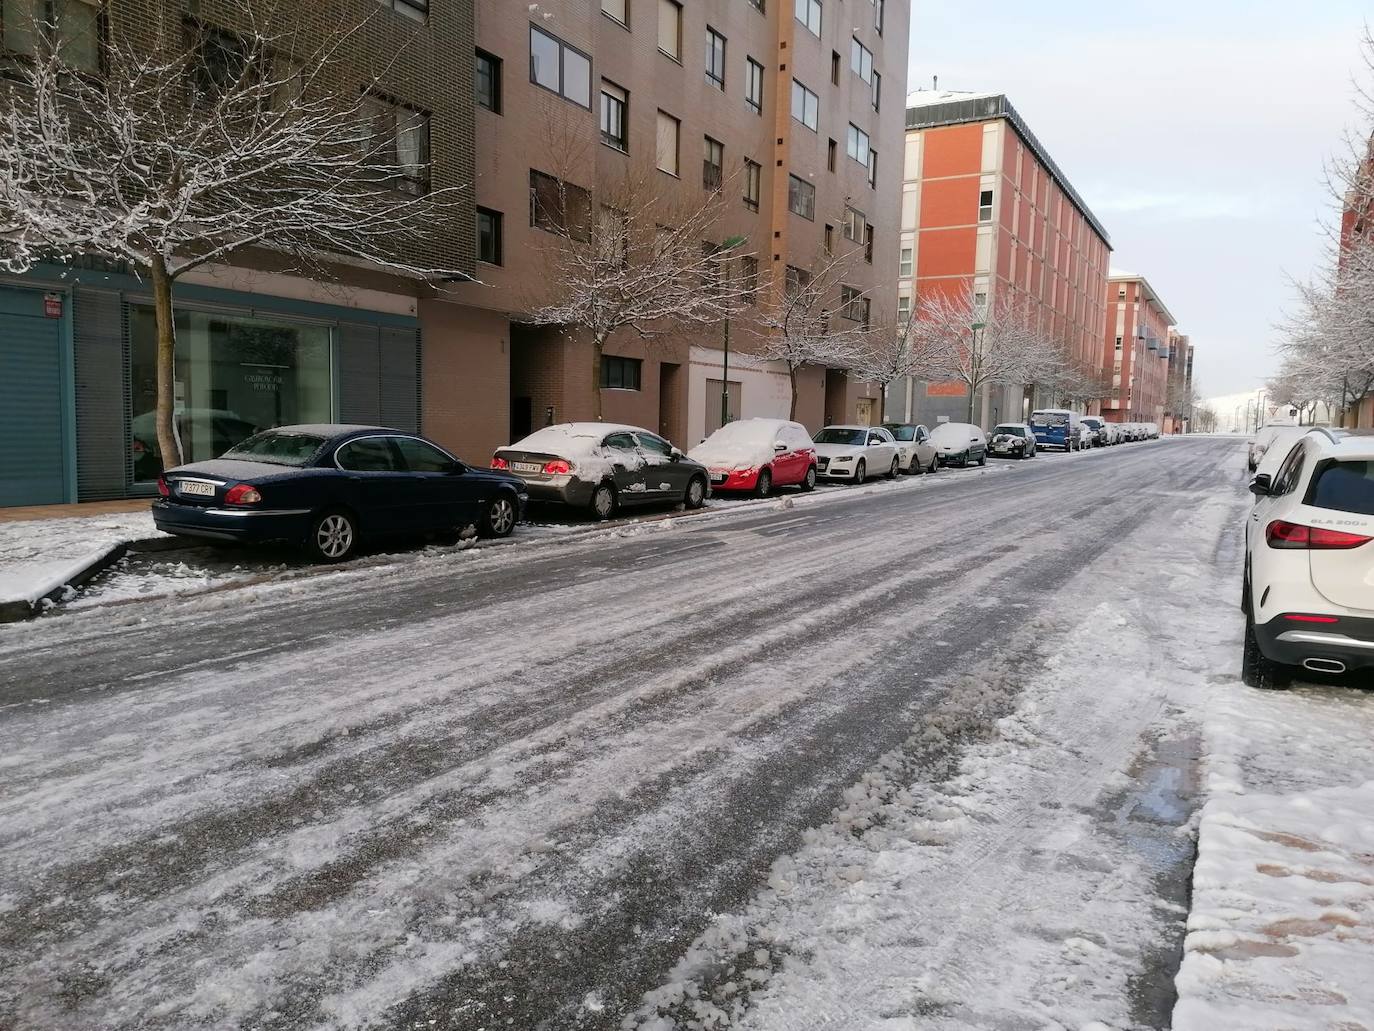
x=856, y=453
x=960, y=443
x=1085, y=436
x=1279, y=445
x=915, y=452
x=1308, y=591
x=1262, y=441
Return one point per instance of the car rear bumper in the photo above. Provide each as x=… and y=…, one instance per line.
x=1349, y=642
x=225, y=524
x=834, y=472
x=734, y=480
x=561, y=490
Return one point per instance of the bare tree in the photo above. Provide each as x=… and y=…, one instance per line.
x=225, y=139
x=638, y=255
x=813, y=319
x=1204, y=419
x=984, y=346
x=891, y=350
x=1071, y=384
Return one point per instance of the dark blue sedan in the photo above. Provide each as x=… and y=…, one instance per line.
x=330, y=487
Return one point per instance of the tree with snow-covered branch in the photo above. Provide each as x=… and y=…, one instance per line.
x=981, y=345
x=812, y=318
x=639, y=255
x=231, y=137
x=890, y=351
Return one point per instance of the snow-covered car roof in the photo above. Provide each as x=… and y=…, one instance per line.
x=576, y=437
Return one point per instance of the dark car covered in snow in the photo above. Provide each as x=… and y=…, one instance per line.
x=330, y=487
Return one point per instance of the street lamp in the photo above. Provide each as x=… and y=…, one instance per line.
x=974, y=330
x=728, y=245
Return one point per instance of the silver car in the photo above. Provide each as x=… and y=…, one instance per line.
x=916, y=451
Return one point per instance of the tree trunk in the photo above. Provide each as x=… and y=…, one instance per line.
x=598, y=345
x=169, y=447
x=792, y=375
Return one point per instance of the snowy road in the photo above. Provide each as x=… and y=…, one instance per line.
x=523, y=787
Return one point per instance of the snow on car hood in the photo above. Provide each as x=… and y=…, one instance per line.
x=737, y=445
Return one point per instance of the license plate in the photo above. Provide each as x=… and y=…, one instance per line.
x=200, y=490
x=717, y=477
x=527, y=467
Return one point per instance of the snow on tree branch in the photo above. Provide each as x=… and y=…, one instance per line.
x=982, y=345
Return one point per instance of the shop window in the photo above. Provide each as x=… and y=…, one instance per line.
x=620, y=373
x=235, y=376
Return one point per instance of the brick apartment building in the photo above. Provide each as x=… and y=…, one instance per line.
x=986, y=208
x=798, y=101
x=795, y=104
x=1178, y=411
x=1136, y=350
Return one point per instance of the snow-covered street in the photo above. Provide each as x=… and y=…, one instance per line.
x=904, y=759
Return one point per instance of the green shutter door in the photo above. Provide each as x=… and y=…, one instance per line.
x=31, y=448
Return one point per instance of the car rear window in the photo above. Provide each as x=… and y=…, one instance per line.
x=1343, y=486
x=277, y=448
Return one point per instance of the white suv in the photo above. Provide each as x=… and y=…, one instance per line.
x=1309, y=561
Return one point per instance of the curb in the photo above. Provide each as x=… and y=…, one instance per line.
x=20, y=609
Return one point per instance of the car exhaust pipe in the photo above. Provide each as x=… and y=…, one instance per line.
x=1323, y=665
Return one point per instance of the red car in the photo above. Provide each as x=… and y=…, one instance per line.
x=758, y=456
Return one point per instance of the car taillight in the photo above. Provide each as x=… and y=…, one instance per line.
x=558, y=467
x=162, y=487
x=1285, y=535
x=242, y=494
x=497, y=462
x=1303, y=617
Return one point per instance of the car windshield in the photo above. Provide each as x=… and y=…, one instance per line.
x=1049, y=419
x=276, y=447
x=904, y=433
x=835, y=435
x=1011, y=431
x=1344, y=487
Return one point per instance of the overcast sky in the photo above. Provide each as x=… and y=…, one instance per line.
x=1196, y=131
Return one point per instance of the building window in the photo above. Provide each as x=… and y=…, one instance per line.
x=860, y=60
x=831, y=150
x=614, y=102
x=619, y=10
x=806, y=106
x=750, y=269
x=855, y=224
x=400, y=140
x=877, y=91
x=868, y=243
x=417, y=9
x=795, y=280
x=241, y=374
x=907, y=263
x=715, y=58
x=980, y=302
x=667, y=143
x=620, y=373
x=560, y=68
x=853, y=304
x=1121, y=293
x=903, y=308
x=828, y=239
x=559, y=207
x=809, y=14
x=489, y=232
x=985, y=206
x=857, y=144
x=712, y=164
x=753, y=86
x=1119, y=343
x=801, y=198
x=488, y=83
x=878, y=16
x=834, y=67
x=670, y=28
x=872, y=167
x=758, y=6
x=753, y=176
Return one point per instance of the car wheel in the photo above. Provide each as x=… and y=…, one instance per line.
x=915, y=467
x=1257, y=671
x=859, y=473
x=983, y=458
x=809, y=483
x=896, y=468
x=499, y=518
x=603, y=501
x=763, y=486
x=333, y=536
x=1245, y=590
x=696, y=493
x=934, y=465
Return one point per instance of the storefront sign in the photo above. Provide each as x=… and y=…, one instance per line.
x=52, y=306
x=951, y=388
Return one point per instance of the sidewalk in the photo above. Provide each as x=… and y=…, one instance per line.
x=1281, y=932
x=44, y=549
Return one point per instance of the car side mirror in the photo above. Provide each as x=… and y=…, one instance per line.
x=1262, y=485
x=675, y=455
x=779, y=446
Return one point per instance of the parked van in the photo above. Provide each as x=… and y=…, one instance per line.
x=1056, y=427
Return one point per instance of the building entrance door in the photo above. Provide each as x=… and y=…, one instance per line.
x=32, y=455
x=863, y=411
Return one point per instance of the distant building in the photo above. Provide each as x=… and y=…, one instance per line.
x=1137, y=349
x=985, y=208
x=1178, y=399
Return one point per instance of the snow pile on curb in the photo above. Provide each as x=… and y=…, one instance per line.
x=1282, y=928
x=38, y=558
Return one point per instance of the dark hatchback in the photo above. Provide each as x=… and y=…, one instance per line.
x=331, y=487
